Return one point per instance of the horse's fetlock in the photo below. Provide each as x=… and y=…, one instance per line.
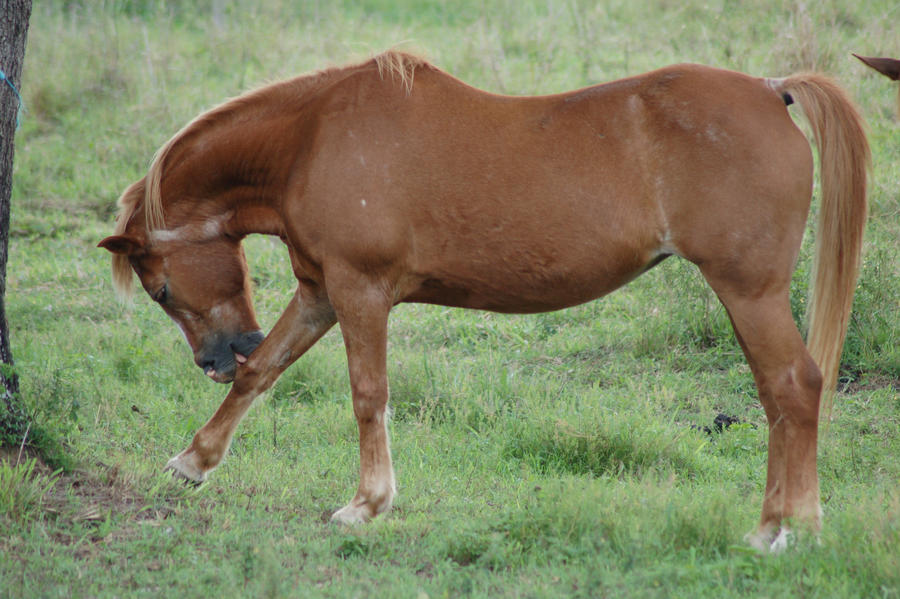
x=208, y=451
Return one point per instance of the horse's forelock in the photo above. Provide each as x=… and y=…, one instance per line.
x=121, y=267
x=122, y=276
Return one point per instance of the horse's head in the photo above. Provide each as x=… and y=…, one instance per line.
x=203, y=285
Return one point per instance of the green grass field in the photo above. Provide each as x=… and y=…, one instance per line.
x=537, y=456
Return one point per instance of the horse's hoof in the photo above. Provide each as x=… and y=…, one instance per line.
x=782, y=541
x=180, y=477
x=183, y=468
x=351, y=514
x=771, y=541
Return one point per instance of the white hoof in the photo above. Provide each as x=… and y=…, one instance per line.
x=185, y=465
x=770, y=541
x=759, y=541
x=781, y=542
x=351, y=514
x=361, y=511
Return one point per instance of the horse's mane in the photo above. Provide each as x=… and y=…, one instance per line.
x=121, y=267
x=399, y=66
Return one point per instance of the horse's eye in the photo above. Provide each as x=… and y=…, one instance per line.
x=162, y=295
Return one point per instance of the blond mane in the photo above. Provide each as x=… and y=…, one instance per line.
x=121, y=267
x=399, y=66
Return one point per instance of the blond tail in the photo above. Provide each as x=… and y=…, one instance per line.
x=844, y=159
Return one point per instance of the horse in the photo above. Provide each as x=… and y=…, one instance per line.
x=889, y=67
x=391, y=181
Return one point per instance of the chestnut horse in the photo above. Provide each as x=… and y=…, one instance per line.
x=391, y=181
x=889, y=67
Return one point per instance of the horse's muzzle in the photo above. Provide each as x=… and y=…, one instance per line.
x=220, y=357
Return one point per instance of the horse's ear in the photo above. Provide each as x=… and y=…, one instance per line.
x=889, y=67
x=121, y=244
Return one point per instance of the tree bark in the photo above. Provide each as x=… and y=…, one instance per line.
x=14, y=16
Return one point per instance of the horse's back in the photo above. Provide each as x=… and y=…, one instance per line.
x=525, y=204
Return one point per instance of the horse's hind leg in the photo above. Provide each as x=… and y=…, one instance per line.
x=363, y=317
x=306, y=319
x=789, y=385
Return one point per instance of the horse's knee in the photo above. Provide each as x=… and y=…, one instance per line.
x=369, y=399
x=208, y=448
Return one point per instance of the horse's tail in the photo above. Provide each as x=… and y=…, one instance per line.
x=844, y=158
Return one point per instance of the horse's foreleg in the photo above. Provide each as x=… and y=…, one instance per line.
x=305, y=320
x=364, y=327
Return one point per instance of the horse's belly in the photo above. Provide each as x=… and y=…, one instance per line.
x=528, y=286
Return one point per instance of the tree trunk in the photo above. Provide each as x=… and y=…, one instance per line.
x=14, y=15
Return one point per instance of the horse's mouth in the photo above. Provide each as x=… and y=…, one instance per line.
x=219, y=377
x=227, y=357
x=226, y=377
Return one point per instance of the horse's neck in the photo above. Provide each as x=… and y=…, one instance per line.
x=238, y=171
x=237, y=159
x=256, y=218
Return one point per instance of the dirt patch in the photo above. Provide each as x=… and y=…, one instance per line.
x=99, y=494
x=869, y=382
x=20, y=455
x=89, y=495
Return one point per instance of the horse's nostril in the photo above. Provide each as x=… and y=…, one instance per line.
x=246, y=343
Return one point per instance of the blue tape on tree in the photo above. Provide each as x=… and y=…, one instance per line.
x=3, y=77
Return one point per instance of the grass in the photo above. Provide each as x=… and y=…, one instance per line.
x=545, y=455
x=22, y=490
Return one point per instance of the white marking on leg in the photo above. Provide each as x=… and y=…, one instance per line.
x=213, y=227
x=784, y=539
x=376, y=493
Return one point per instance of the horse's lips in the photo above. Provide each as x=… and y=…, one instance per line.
x=218, y=377
x=213, y=374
